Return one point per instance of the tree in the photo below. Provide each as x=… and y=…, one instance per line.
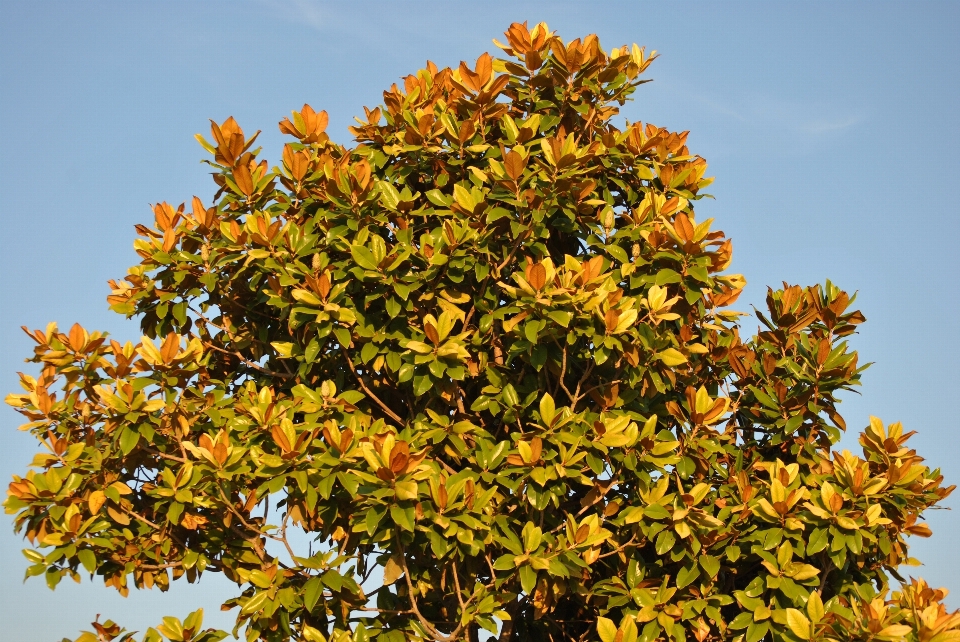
x=482, y=363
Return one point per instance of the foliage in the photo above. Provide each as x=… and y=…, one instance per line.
x=482, y=359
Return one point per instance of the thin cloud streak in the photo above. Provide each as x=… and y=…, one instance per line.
x=824, y=126
x=301, y=12
x=785, y=115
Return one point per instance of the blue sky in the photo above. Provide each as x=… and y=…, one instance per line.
x=831, y=128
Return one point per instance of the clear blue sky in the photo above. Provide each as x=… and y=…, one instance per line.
x=831, y=128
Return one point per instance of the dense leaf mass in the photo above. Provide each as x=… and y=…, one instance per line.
x=483, y=359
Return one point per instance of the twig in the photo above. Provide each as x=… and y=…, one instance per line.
x=386, y=409
x=456, y=583
x=516, y=246
x=619, y=548
x=255, y=366
x=162, y=455
x=586, y=373
x=437, y=635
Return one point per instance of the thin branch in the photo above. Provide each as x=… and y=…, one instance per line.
x=437, y=635
x=602, y=385
x=586, y=373
x=619, y=548
x=456, y=583
x=283, y=537
x=563, y=374
x=162, y=455
x=160, y=567
x=516, y=246
x=363, y=386
x=255, y=366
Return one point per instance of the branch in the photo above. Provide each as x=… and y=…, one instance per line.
x=563, y=374
x=437, y=635
x=255, y=366
x=363, y=386
x=456, y=582
x=586, y=373
x=162, y=455
x=516, y=246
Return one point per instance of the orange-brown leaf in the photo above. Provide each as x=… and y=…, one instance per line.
x=611, y=319
x=77, y=337
x=243, y=179
x=683, y=226
x=431, y=333
x=170, y=347
x=281, y=439
x=514, y=164
x=537, y=276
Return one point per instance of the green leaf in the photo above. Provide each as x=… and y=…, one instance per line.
x=254, y=603
x=88, y=559
x=671, y=357
x=402, y=517
x=687, y=575
x=464, y=198
x=531, y=537
x=629, y=627
x=710, y=564
x=798, y=623
x=509, y=396
x=547, y=409
x=618, y=253
x=363, y=257
x=742, y=621
x=818, y=541
x=561, y=316
x=389, y=195
x=528, y=578
x=311, y=351
x=756, y=631
x=332, y=579
x=665, y=541
x=343, y=336
x=666, y=276
x=815, y=607
x=283, y=348
x=312, y=591
x=655, y=511
x=128, y=440
x=439, y=199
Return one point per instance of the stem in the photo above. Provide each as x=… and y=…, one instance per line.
x=363, y=386
x=251, y=364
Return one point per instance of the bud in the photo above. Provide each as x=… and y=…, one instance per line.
x=205, y=253
x=608, y=220
x=315, y=264
x=635, y=250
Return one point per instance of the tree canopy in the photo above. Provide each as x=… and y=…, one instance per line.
x=473, y=376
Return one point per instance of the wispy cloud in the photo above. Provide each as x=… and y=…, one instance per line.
x=309, y=12
x=302, y=12
x=786, y=115
x=824, y=126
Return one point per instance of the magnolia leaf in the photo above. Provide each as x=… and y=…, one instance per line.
x=671, y=357
x=815, y=607
x=607, y=629
x=312, y=591
x=392, y=571
x=363, y=257
x=798, y=623
x=547, y=409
